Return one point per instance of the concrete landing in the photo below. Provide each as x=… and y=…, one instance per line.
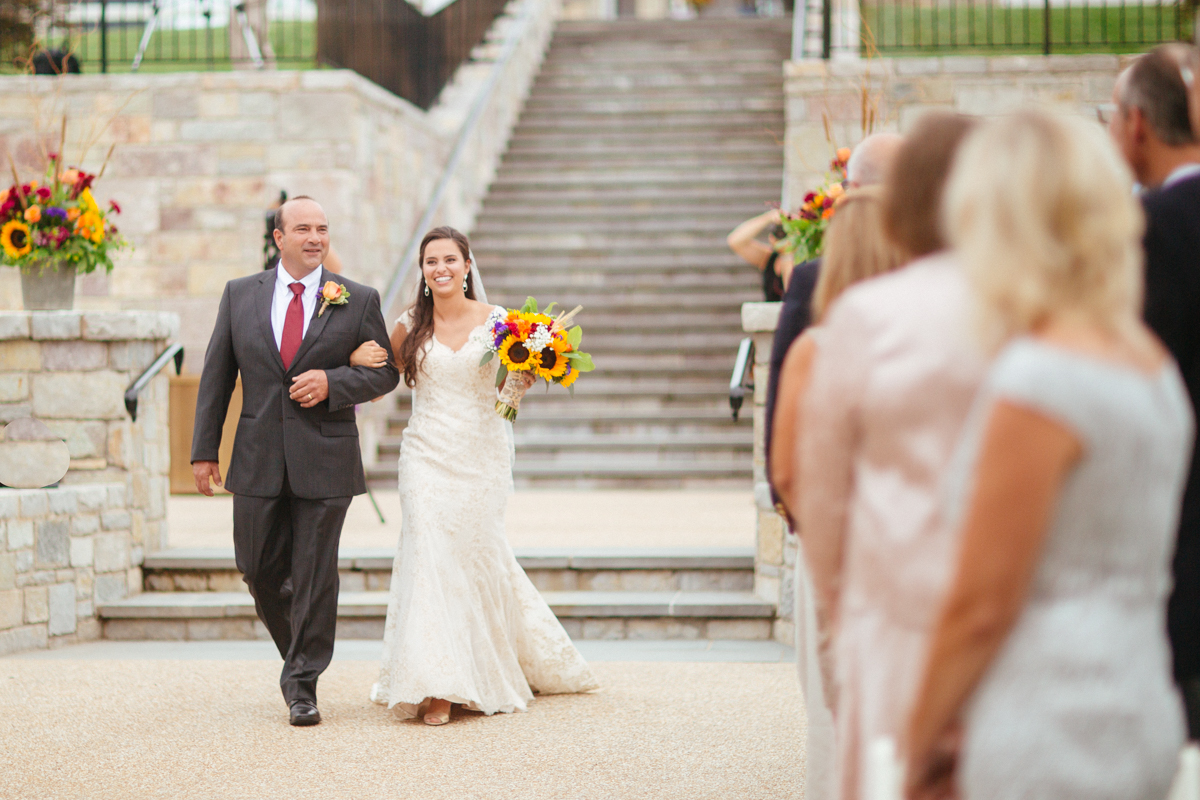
x=536, y=518
x=186, y=729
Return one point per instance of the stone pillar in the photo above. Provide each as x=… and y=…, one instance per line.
x=70, y=369
x=775, y=552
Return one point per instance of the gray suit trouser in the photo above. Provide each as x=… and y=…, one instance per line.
x=287, y=551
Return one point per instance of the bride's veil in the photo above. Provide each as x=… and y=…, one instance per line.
x=480, y=292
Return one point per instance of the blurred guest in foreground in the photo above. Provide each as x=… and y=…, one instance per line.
x=1153, y=131
x=891, y=385
x=1051, y=645
x=868, y=166
x=856, y=249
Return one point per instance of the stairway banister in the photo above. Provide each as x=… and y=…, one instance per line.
x=511, y=41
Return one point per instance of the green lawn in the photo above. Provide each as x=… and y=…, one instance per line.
x=295, y=45
x=906, y=28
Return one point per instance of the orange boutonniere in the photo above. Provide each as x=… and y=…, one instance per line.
x=332, y=294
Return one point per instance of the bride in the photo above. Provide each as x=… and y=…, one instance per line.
x=464, y=623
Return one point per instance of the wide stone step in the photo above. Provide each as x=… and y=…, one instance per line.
x=634, y=194
x=620, y=473
x=715, y=416
x=547, y=442
x=638, y=124
x=700, y=138
x=361, y=614
x=659, y=176
x=701, y=229
x=589, y=105
x=591, y=162
x=550, y=569
x=657, y=288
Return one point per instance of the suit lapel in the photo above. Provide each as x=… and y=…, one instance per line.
x=263, y=297
x=315, y=326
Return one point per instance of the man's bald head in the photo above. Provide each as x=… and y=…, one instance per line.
x=871, y=160
x=280, y=212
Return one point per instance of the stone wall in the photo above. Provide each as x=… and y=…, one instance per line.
x=775, y=545
x=70, y=370
x=900, y=90
x=63, y=552
x=200, y=157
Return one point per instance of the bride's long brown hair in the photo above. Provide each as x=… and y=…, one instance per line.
x=420, y=326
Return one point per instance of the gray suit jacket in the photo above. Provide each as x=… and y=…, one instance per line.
x=318, y=445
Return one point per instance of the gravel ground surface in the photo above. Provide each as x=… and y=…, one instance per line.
x=581, y=519
x=218, y=729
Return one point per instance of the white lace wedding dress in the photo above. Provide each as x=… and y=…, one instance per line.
x=464, y=623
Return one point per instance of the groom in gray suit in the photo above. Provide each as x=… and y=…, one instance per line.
x=296, y=460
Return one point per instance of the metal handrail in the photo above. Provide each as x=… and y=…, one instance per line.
x=515, y=33
x=743, y=376
x=131, y=394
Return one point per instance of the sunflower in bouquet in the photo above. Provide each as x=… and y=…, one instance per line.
x=531, y=344
x=804, y=229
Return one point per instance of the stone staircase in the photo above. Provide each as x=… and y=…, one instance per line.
x=642, y=145
x=598, y=594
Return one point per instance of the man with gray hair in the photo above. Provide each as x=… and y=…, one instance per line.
x=868, y=166
x=1152, y=128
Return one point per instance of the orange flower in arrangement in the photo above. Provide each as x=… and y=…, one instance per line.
x=90, y=225
x=33, y=213
x=73, y=214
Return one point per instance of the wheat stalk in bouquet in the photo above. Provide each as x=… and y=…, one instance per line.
x=531, y=345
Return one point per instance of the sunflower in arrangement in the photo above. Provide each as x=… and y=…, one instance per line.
x=532, y=345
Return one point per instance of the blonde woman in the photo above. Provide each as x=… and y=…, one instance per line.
x=1051, y=646
x=855, y=249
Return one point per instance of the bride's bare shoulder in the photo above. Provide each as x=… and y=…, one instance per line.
x=481, y=311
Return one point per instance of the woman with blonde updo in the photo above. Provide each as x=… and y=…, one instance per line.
x=1049, y=661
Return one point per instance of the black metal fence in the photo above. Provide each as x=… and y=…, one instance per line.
x=911, y=27
x=400, y=48
x=169, y=35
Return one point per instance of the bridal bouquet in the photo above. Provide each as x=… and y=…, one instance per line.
x=804, y=231
x=532, y=345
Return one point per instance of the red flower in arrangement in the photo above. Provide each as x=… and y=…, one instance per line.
x=44, y=193
x=112, y=205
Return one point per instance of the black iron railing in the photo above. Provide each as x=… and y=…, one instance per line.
x=742, y=380
x=914, y=27
x=175, y=353
x=398, y=47
x=171, y=35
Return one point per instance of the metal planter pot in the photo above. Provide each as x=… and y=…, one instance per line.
x=51, y=288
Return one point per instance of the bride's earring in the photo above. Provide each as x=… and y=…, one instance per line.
x=427, y=290
x=464, y=284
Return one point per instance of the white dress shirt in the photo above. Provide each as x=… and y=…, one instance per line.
x=1181, y=173
x=283, y=297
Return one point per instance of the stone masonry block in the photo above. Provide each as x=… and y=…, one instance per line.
x=23, y=354
x=53, y=543
x=117, y=519
x=14, y=386
x=770, y=538
x=118, y=496
x=84, y=524
x=62, y=609
x=83, y=550
x=109, y=326
x=34, y=503
x=63, y=501
x=37, y=604
x=739, y=629
x=176, y=105
x=111, y=551
x=84, y=439
x=111, y=587
x=8, y=504
x=11, y=411
x=131, y=356
x=8, y=571
x=27, y=637
x=74, y=356
x=12, y=608
x=92, y=498
x=79, y=395
x=14, y=325
x=55, y=324
x=20, y=534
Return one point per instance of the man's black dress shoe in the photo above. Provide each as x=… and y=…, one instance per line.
x=304, y=712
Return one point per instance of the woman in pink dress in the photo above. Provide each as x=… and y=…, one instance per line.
x=891, y=386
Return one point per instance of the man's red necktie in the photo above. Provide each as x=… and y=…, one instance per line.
x=293, y=326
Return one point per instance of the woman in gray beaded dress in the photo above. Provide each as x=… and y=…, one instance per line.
x=1049, y=673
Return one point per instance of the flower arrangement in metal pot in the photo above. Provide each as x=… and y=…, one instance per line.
x=56, y=221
